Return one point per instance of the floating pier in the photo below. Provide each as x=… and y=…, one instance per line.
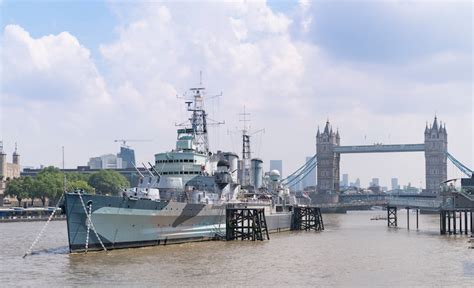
x=246, y=224
x=307, y=218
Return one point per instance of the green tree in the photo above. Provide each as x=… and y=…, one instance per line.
x=50, y=169
x=80, y=185
x=20, y=188
x=75, y=176
x=108, y=182
x=49, y=184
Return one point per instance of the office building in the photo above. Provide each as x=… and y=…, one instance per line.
x=375, y=182
x=128, y=157
x=345, y=180
x=107, y=161
x=395, y=185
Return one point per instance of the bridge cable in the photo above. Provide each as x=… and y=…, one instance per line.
x=468, y=172
x=302, y=173
x=293, y=178
x=309, y=162
x=301, y=176
x=301, y=168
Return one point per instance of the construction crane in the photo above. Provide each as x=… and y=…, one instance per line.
x=124, y=141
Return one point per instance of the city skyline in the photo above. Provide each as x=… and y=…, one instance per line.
x=292, y=65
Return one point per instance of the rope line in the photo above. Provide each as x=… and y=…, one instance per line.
x=91, y=224
x=28, y=252
x=88, y=227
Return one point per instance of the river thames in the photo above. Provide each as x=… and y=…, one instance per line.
x=353, y=251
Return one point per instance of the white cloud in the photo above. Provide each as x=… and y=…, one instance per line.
x=52, y=67
x=306, y=17
x=289, y=86
x=50, y=94
x=245, y=50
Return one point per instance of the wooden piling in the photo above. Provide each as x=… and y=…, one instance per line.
x=307, y=218
x=408, y=218
x=454, y=223
x=472, y=224
x=417, y=210
x=442, y=222
x=391, y=216
x=465, y=222
x=246, y=224
x=449, y=222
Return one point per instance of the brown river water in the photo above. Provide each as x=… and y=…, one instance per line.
x=353, y=251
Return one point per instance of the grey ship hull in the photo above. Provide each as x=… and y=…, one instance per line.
x=121, y=222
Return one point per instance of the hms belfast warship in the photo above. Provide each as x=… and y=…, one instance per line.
x=182, y=198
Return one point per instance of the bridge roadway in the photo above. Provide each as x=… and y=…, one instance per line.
x=380, y=148
x=352, y=204
x=413, y=203
x=425, y=203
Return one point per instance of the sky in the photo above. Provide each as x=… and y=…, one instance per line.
x=81, y=74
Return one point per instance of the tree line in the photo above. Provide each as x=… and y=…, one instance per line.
x=50, y=183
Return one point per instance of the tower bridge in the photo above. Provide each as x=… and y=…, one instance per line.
x=329, y=150
x=379, y=148
x=449, y=203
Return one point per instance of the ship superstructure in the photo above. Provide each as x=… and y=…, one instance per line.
x=191, y=157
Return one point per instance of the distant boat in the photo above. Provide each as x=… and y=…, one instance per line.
x=379, y=217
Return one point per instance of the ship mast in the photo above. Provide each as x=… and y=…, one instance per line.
x=199, y=121
x=246, y=151
x=246, y=154
x=199, y=118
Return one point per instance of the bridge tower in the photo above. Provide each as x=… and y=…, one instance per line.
x=328, y=160
x=436, y=148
